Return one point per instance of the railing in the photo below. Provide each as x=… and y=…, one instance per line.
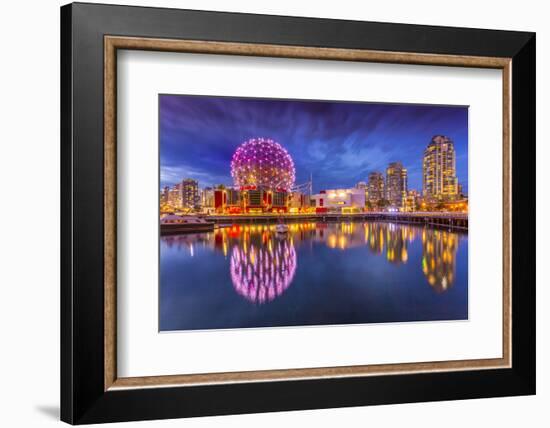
x=436, y=219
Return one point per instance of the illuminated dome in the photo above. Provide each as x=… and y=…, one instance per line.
x=262, y=162
x=261, y=275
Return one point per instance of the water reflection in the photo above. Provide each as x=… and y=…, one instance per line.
x=262, y=263
x=317, y=273
x=262, y=273
x=439, y=258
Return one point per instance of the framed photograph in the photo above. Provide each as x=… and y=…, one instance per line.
x=266, y=213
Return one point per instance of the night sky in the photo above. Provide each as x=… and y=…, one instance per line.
x=338, y=143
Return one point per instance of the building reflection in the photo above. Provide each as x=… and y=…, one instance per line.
x=262, y=263
x=439, y=258
x=375, y=237
x=262, y=273
x=391, y=239
x=342, y=236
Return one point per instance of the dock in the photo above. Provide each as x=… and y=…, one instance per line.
x=455, y=221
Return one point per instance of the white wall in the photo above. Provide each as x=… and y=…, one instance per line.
x=29, y=165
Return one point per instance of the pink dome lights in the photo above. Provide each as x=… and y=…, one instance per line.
x=263, y=163
x=262, y=274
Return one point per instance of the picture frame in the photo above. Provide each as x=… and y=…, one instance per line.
x=91, y=36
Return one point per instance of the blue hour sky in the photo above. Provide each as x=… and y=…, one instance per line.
x=338, y=143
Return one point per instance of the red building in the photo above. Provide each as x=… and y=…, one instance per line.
x=250, y=200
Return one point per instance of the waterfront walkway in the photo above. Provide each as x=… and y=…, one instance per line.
x=458, y=221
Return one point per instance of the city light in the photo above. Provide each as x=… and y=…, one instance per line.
x=264, y=175
x=262, y=162
x=296, y=213
x=263, y=274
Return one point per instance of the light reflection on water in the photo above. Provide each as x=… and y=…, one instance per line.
x=359, y=272
x=263, y=273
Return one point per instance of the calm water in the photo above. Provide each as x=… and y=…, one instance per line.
x=335, y=273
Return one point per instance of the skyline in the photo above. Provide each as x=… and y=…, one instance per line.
x=338, y=143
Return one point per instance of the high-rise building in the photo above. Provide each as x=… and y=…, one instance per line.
x=165, y=195
x=396, y=184
x=189, y=193
x=375, y=188
x=207, y=197
x=439, y=179
x=174, y=196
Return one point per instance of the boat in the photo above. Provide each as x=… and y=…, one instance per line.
x=173, y=223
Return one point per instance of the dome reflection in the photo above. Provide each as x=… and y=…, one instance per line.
x=260, y=274
x=262, y=263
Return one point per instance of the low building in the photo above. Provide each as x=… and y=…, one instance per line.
x=227, y=200
x=298, y=202
x=250, y=200
x=340, y=201
x=412, y=201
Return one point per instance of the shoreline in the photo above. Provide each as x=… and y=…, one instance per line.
x=449, y=222
x=456, y=221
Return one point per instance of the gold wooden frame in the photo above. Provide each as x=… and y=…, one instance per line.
x=113, y=43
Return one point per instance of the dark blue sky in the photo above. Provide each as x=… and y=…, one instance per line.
x=339, y=143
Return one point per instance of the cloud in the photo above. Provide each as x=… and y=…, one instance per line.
x=339, y=143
